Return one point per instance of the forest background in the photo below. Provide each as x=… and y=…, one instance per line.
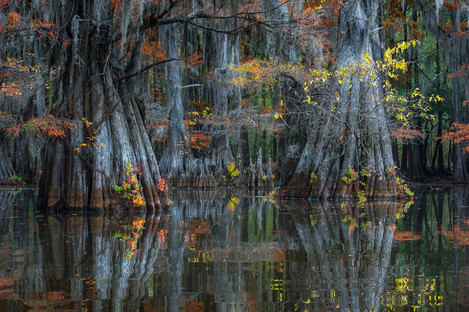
x=118, y=99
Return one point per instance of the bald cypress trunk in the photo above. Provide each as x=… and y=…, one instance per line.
x=352, y=133
x=460, y=171
x=83, y=169
x=219, y=51
x=177, y=162
x=221, y=54
x=6, y=168
x=417, y=164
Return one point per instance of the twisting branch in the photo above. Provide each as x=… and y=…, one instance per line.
x=247, y=16
x=148, y=67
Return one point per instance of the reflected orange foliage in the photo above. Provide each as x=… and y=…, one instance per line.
x=53, y=295
x=193, y=306
x=406, y=236
x=199, y=227
x=279, y=255
x=458, y=236
x=6, y=282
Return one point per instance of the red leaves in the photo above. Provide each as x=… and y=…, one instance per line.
x=46, y=126
x=460, y=134
x=451, y=4
x=116, y=4
x=153, y=50
x=194, y=60
x=199, y=141
x=407, y=134
x=13, y=20
x=162, y=186
x=4, y=4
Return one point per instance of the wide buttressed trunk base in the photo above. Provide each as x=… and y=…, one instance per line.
x=98, y=87
x=77, y=176
x=84, y=168
x=349, y=151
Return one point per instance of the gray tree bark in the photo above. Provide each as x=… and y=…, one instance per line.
x=352, y=131
x=460, y=171
x=177, y=162
x=88, y=87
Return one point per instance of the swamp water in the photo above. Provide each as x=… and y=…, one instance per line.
x=223, y=251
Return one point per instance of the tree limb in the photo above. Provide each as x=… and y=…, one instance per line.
x=148, y=67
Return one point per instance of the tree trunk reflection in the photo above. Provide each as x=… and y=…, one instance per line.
x=349, y=251
x=237, y=251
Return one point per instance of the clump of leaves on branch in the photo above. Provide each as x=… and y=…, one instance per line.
x=130, y=189
x=46, y=126
x=459, y=134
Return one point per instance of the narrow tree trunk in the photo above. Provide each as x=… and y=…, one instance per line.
x=245, y=145
x=439, y=143
x=395, y=152
x=279, y=47
x=416, y=169
x=177, y=162
x=405, y=157
x=6, y=167
x=221, y=51
x=460, y=171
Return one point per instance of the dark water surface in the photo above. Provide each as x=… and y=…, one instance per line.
x=224, y=251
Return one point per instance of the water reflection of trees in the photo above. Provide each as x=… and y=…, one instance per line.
x=433, y=253
x=224, y=252
x=348, y=250
x=74, y=261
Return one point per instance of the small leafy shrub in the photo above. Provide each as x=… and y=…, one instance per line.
x=18, y=180
x=130, y=189
x=313, y=177
x=390, y=172
x=162, y=186
x=365, y=173
x=350, y=175
x=233, y=172
x=403, y=187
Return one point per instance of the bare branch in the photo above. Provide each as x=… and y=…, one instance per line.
x=148, y=67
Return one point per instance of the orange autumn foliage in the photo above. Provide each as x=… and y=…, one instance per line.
x=199, y=227
x=199, y=141
x=153, y=50
x=406, y=134
x=46, y=126
x=406, y=236
x=451, y=4
x=460, y=134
